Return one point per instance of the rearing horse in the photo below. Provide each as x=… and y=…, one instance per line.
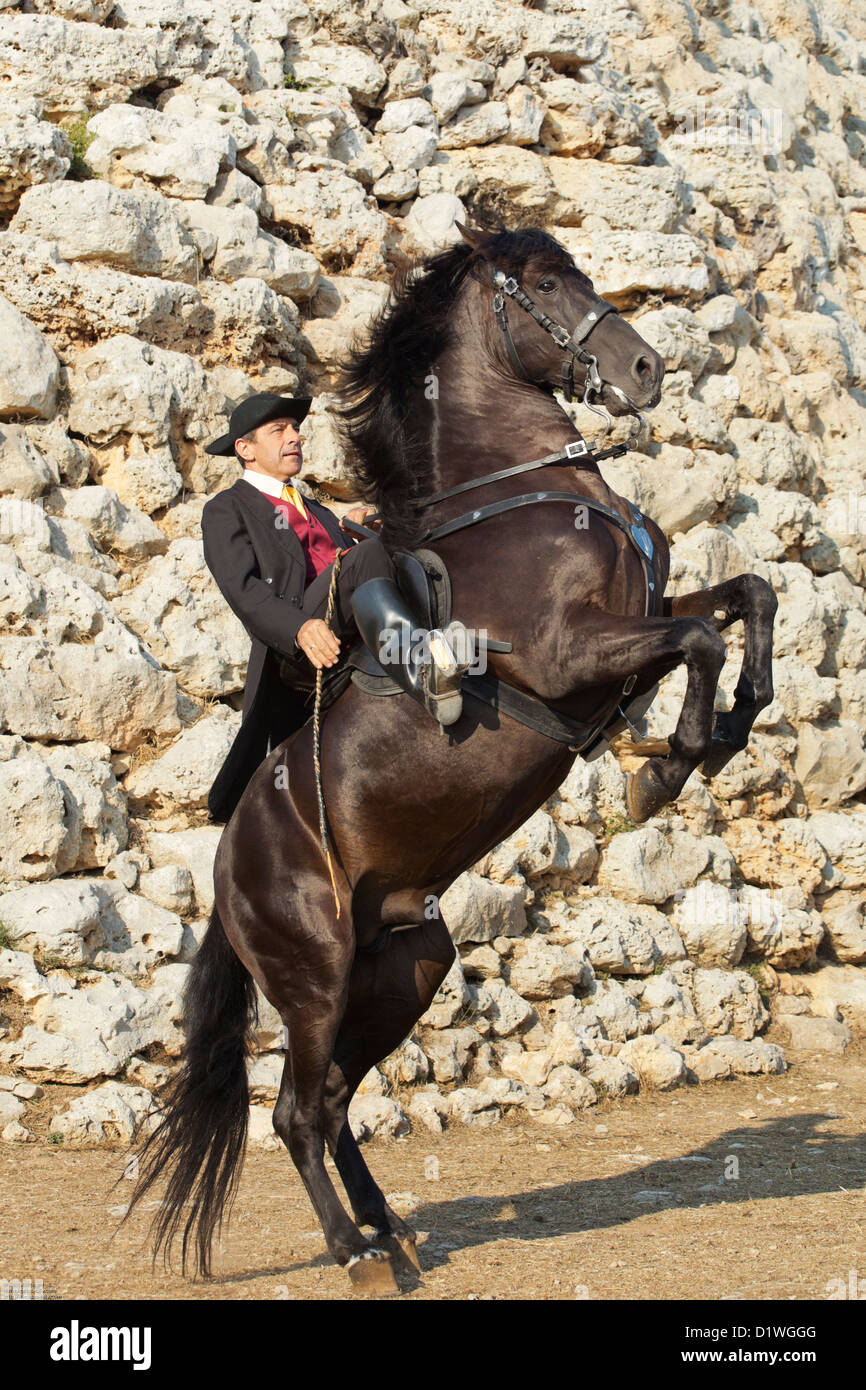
x=448, y=389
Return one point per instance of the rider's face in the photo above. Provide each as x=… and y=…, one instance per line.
x=275, y=448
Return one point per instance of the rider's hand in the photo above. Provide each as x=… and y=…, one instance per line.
x=318, y=642
x=359, y=513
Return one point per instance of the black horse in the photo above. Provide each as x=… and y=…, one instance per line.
x=449, y=387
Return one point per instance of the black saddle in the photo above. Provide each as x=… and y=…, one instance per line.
x=423, y=580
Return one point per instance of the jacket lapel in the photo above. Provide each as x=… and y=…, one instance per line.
x=262, y=507
x=328, y=520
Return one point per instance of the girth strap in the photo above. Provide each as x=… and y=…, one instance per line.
x=529, y=710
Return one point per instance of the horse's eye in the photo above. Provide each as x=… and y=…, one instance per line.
x=547, y=286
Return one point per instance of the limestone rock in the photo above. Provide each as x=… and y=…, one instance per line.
x=477, y=910
x=170, y=887
x=450, y=1052
x=611, y=1075
x=449, y=1003
x=113, y=525
x=729, y=1002
x=568, y=1086
x=230, y=240
x=30, y=375
x=821, y=1035
x=109, y=1114
x=610, y=1005
x=103, y=691
x=342, y=222
x=60, y=918
x=840, y=990
x=650, y=867
x=730, y=1056
x=31, y=152
x=375, y=1116
x=183, y=776
x=179, y=612
x=642, y=199
x=25, y=471
x=429, y=1108
x=842, y=914
x=711, y=921
x=618, y=937
x=657, y=1064
x=504, y=1007
x=830, y=765
x=194, y=850
x=134, y=230
x=408, y=1063
x=540, y=970
x=135, y=145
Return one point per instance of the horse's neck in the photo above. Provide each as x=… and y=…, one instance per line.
x=484, y=419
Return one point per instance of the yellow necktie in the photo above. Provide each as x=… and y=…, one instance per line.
x=291, y=494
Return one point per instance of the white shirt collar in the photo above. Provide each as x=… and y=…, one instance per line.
x=264, y=482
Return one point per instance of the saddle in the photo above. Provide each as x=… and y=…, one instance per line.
x=424, y=581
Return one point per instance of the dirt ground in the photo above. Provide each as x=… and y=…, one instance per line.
x=745, y=1189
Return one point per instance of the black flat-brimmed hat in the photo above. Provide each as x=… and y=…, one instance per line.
x=258, y=410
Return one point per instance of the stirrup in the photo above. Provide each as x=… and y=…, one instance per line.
x=447, y=668
x=433, y=671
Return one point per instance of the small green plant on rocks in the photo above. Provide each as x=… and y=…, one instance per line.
x=618, y=824
x=80, y=138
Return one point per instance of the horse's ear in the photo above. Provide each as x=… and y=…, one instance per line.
x=473, y=235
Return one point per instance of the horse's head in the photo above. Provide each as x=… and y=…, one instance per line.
x=551, y=295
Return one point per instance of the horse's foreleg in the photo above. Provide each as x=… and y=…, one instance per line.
x=388, y=993
x=613, y=647
x=750, y=598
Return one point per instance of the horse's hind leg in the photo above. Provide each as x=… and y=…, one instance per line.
x=388, y=993
x=312, y=1014
x=750, y=598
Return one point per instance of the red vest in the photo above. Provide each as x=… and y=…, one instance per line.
x=319, y=549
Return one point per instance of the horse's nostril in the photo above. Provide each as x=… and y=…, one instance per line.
x=643, y=370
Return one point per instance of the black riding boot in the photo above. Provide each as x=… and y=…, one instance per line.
x=422, y=661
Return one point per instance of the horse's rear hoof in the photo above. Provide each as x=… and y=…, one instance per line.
x=373, y=1275
x=645, y=794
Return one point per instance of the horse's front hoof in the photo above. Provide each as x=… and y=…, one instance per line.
x=403, y=1249
x=645, y=793
x=373, y=1274
x=720, y=754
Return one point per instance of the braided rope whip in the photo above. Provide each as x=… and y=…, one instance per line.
x=320, y=674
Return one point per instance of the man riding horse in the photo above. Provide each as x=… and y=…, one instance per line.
x=272, y=553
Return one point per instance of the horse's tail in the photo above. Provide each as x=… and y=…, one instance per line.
x=201, y=1135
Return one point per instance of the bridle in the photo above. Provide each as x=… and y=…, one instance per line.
x=571, y=343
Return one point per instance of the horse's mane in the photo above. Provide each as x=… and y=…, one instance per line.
x=389, y=459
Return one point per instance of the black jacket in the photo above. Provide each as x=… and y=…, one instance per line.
x=261, y=572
